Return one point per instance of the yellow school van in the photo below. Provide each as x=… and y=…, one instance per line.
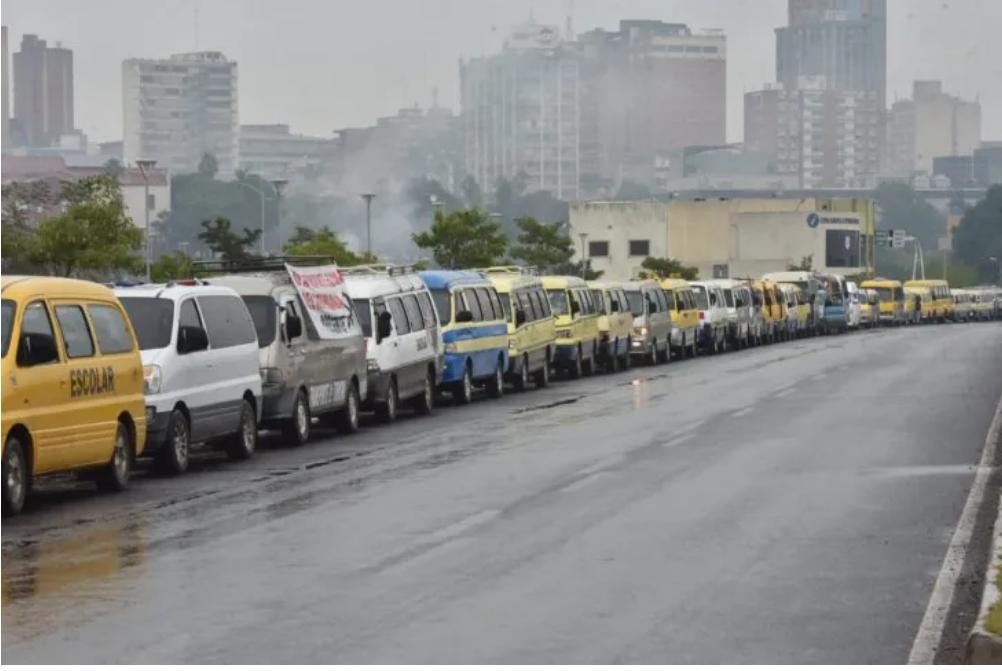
x=942, y=299
x=684, y=316
x=577, y=323
x=615, y=324
x=72, y=385
x=891, y=299
x=531, y=326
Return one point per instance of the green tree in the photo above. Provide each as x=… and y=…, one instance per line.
x=806, y=263
x=222, y=240
x=463, y=239
x=208, y=166
x=325, y=242
x=177, y=266
x=94, y=235
x=664, y=268
x=542, y=245
x=978, y=238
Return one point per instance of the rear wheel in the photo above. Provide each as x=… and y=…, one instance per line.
x=387, y=410
x=576, y=366
x=652, y=354
x=16, y=478
x=664, y=355
x=522, y=381
x=115, y=476
x=172, y=458
x=424, y=403
x=242, y=444
x=297, y=427
x=495, y=386
x=346, y=419
x=543, y=374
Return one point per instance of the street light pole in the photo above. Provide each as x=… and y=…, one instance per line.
x=278, y=185
x=998, y=266
x=584, y=260
x=144, y=166
x=367, y=197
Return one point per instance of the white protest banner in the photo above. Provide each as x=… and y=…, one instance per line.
x=321, y=289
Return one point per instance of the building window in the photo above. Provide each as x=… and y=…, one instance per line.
x=640, y=248
x=842, y=249
x=598, y=248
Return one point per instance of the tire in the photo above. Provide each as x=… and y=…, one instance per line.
x=387, y=410
x=651, y=358
x=297, y=428
x=242, y=444
x=663, y=355
x=588, y=365
x=577, y=367
x=16, y=477
x=346, y=418
x=172, y=457
x=424, y=402
x=495, y=386
x=542, y=376
x=612, y=362
x=463, y=390
x=115, y=476
x=522, y=381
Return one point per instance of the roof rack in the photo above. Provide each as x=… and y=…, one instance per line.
x=509, y=270
x=268, y=263
x=379, y=269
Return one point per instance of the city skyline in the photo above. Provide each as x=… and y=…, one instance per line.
x=406, y=66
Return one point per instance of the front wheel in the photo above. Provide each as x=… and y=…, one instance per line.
x=115, y=476
x=387, y=410
x=522, y=381
x=242, y=444
x=297, y=427
x=172, y=458
x=16, y=478
x=543, y=374
x=463, y=391
x=346, y=419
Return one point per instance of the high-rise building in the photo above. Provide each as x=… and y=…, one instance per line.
x=5, y=142
x=649, y=89
x=828, y=138
x=273, y=152
x=43, y=92
x=843, y=41
x=521, y=114
x=931, y=124
x=178, y=109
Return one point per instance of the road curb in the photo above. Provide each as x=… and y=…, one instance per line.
x=984, y=647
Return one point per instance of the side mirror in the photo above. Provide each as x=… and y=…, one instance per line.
x=293, y=326
x=519, y=317
x=191, y=339
x=384, y=325
x=652, y=307
x=464, y=316
x=36, y=348
x=575, y=308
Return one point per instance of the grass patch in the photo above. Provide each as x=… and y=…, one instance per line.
x=994, y=622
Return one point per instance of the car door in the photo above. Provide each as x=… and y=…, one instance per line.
x=416, y=349
x=92, y=416
x=41, y=388
x=195, y=373
x=120, y=363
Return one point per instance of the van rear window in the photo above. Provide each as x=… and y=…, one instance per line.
x=263, y=310
x=442, y=305
x=152, y=320
x=364, y=315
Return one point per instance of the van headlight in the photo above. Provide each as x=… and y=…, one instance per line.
x=152, y=379
x=640, y=331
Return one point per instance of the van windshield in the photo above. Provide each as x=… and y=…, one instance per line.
x=152, y=319
x=443, y=305
x=558, y=301
x=701, y=300
x=885, y=294
x=8, y=323
x=263, y=310
x=364, y=315
x=636, y=303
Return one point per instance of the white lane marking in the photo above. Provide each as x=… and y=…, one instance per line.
x=681, y=438
x=584, y=482
x=742, y=412
x=930, y=633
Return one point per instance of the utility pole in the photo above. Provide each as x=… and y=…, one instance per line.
x=367, y=197
x=584, y=260
x=277, y=185
x=145, y=165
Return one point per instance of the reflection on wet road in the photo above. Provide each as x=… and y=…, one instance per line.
x=625, y=518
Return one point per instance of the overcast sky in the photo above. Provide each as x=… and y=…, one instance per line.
x=320, y=65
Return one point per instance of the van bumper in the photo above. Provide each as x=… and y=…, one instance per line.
x=377, y=384
x=156, y=429
x=565, y=354
x=277, y=401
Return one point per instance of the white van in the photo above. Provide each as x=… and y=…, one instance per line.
x=738, y=301
x=303, y=375
x=712, y=316
x=200, y=369
x=403, y=343
x=651, y=340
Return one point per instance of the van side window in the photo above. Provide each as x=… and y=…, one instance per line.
x=109, y=327
x=535, y=302
x=188, y=316
x=35, y=321
x=662, y=301
x=544, y=302
x=472, y=305
x=227, y=321
x=597, y=296
x=413, y=311
x=670, y=299
x=290, y=308
x=496, y=302
x=460, y=302
x=427, y=311
x=485, y=304
x=76, y=334
x=400, y=322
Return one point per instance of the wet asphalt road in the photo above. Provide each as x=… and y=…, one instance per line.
x=791, y=503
